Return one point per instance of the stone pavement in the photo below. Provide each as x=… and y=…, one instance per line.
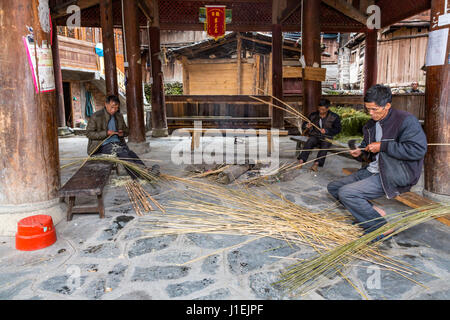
x=115, y=258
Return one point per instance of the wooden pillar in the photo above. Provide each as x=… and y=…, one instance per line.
x=159, y=119
x=277, y=63
x=312, y=90
x=135, y=99
x=109, y=52
x=29, y=166
x=239, y=63
x=370, y=59
x=60, y=113
x=437, y=117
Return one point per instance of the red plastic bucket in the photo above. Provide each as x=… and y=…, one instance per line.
x=35, y=232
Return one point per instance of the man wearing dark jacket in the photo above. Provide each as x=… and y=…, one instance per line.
x=329, y=124
x=395, y=145
x=106, y=131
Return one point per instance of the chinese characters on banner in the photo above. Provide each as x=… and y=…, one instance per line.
x=215, y=21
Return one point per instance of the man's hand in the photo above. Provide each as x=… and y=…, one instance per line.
x=322, y=131
x=110, y=132
x=373, y=147
x=120, y=133
x=355, y=153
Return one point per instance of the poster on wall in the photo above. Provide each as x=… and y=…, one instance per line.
x=43, y=75
x=437, y=47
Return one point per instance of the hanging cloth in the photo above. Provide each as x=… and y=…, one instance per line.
x=89, y=108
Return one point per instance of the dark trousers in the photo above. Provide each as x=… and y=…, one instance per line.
x=123, y=152
x=354, y=192
x=312, y=143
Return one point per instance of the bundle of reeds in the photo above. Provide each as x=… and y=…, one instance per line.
x=304, y=276
x=209, y=208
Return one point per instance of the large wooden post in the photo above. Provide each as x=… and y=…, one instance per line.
x=277, y=76
x=29, y=166
x=109, y=52
x=135, y=99
x=159, y=120
x=370, y=59
x=437, y=118
x=60, y=113
x=278, y=6
x=312, y=90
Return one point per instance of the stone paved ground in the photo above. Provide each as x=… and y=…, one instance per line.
x=114, y=258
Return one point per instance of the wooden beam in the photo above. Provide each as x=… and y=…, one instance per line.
x=347, y=9
x=270, y=44
x=61, y=10
x=147, y=8
x=239, y=63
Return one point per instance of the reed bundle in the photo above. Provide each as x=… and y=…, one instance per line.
x=303, y=277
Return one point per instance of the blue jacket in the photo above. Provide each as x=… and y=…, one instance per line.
x=403, y=148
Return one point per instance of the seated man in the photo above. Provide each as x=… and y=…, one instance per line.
x=106, y=130
x=395, y=145
x=414, y=88
x=329, y=124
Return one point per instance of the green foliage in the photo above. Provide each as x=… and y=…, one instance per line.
x=175, y=88
x=352, y=122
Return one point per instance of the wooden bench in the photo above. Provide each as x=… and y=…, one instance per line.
x=301, y=140
x=410, y=199
x=197, y=133
x=89, y=180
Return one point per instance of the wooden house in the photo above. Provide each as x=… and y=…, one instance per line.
x=401, y=55
x=237, y=64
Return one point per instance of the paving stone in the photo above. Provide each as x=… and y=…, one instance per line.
x=159, y=273
x=175, y=257
x=339, y=291
x=211, y=264
x=118, y=224
x=219, y=294
x=13, y=292
x=66, y=285
x=135, y=295
x=264, y=287
x=437, y=295
x=104, y=250
x=96, y=289
x=432, y=233
x=148, y=245
x=215, y=241
x=188, y=287
x=383, y=284
x=11, y=277
x=256, y=254
x=116, y=275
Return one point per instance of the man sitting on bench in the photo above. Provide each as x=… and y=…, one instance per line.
x=395, y=146
x=106, y=131
x=329, y=124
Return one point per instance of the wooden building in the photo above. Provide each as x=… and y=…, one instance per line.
x=237, y=64
x=401, y=55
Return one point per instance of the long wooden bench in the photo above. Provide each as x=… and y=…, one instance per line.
x=197, y=133
x=301, y=140
x=410, y=199
x=89, y=180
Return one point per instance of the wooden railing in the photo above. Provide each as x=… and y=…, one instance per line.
x=78, y=54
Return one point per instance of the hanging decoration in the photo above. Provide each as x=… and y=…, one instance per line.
x=215, y=21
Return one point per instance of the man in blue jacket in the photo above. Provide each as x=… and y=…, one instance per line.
x=394, y=144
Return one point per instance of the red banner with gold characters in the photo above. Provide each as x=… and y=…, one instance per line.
x=215, y=21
